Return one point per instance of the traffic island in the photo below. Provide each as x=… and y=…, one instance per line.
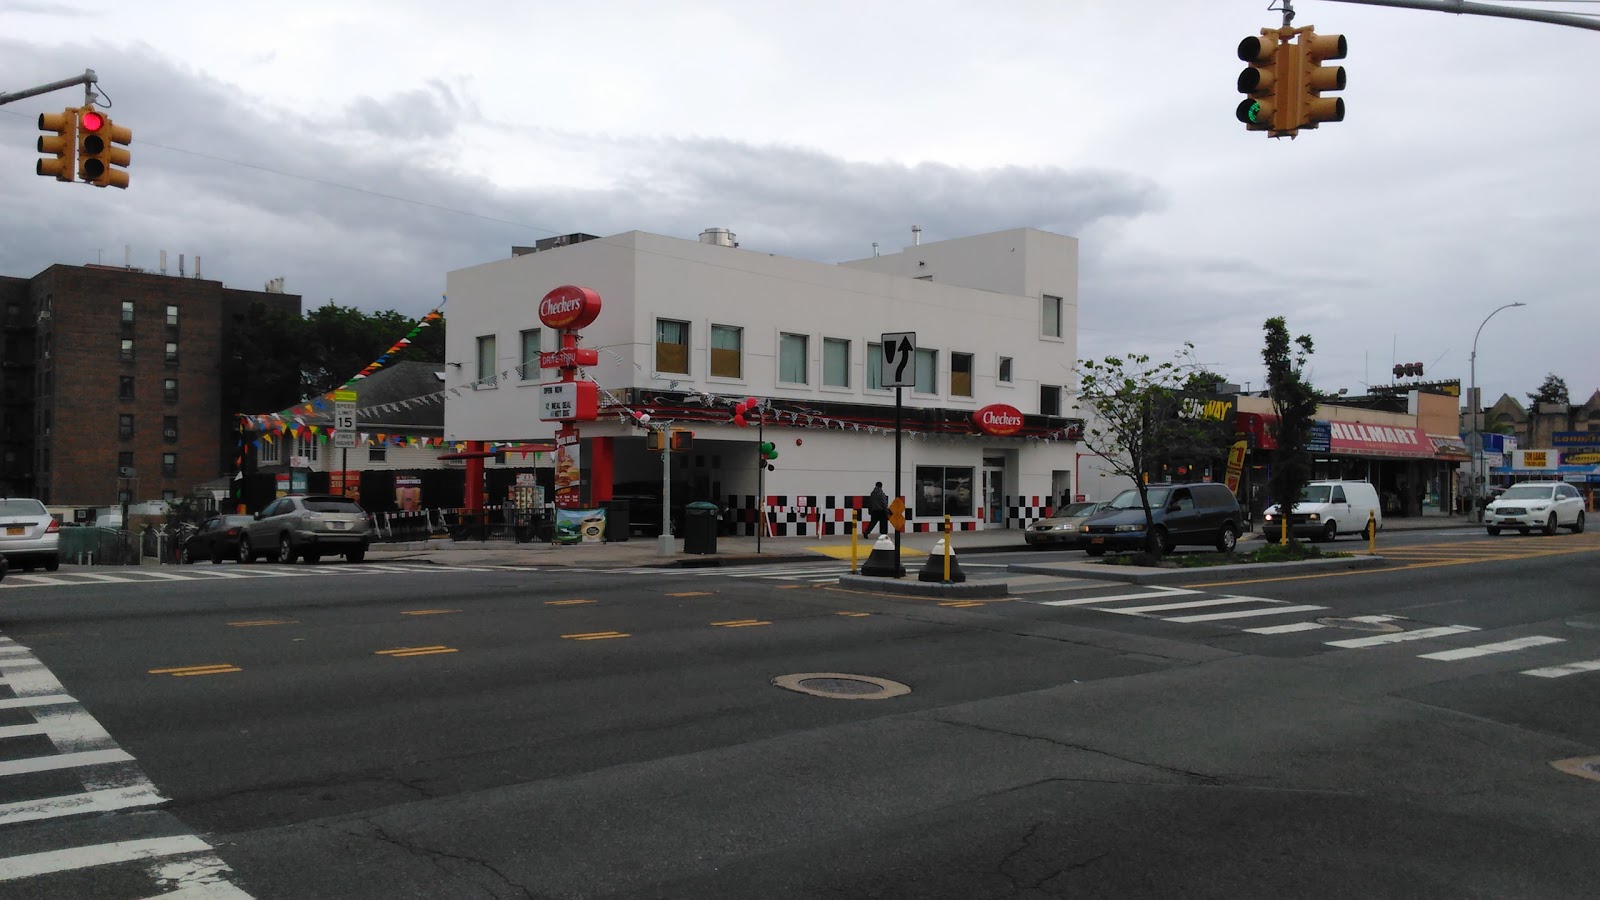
x=1144, y=575
x=977, y=590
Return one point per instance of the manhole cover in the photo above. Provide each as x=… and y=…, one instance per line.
x=1379, y=624
x=839, y=686
x=1582, y=766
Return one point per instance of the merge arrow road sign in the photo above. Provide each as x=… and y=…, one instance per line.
x=895, y=366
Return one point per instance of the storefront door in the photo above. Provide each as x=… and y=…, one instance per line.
x=994, y=495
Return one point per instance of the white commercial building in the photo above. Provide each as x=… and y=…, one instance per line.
x=689, y=328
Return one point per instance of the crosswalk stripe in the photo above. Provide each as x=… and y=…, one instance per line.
x=105, y=800
x=1163, y=607
x=1487, y=649
x=62, y=761
x=50, y=861
x=1287, y=629
x=36, y=700
x=1142, y=595
x=1592, y=665
x=1397, y=637
x=1245, y=613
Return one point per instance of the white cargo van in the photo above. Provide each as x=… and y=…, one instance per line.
x=1328, y=509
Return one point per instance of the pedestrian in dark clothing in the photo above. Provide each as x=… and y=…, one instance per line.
x=878, y=510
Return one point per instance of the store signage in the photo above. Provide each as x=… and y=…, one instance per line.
x=568, y=401
x=998, y=419
x=1533, y=459
x=569, y=357
x=1320, y=436
x=569, y=307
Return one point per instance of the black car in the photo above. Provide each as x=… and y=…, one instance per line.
x=217, y=539
x=1203, y=513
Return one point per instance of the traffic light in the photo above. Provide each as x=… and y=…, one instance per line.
x=769, y=452
x=59, y=147
x=1315, y=77
x=682, y=439
x=1260, y=81
x=655, y=440
x=99, y=157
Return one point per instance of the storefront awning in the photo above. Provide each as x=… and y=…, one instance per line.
x=1353, y=439
x=1449, y=448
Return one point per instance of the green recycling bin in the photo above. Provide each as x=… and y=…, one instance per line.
x=700, y=527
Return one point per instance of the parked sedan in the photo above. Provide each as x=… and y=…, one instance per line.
x=1536, y=504
x=308, y=526
x=1065, y=528
x=217, y=539
x=29, y=536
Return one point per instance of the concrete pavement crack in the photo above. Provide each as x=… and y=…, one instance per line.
x=1195, y=777
x=439, y=858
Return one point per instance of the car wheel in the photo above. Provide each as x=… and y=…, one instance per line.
x=245, y=554
x=1330, y=531
x=1550, y=524
x=1228, y=539
x=356, y=556
x=1095, y=551
x=52, y=564
x=1577, y=524
x=1492, y=530
x=313, y=558
x=286, y=553
x=188, y=555
x=216, y=556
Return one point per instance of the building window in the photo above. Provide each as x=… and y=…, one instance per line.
x=306, y=445
x=874, y=366
x=1005, y=370
x=172, y=316
x=269, y=452
x=927, y=371
x=125, y=387
x=124, y=462
x=127, y=349
x=943, y=491
x=169, y=390
x=961, y=374
x=531, y=345
x=1049, y=400
x=169, y=495
x=169, y=428
x=169, y=463
x=486, y=358
x=792, y=352
x=835, y=362
x=125, y=425
x=127, y=310
x=727, y=351
x=378, y=454
x=172, y=352
x=672, y=346
x=1052, y=316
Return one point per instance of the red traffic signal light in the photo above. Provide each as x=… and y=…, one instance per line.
x=60, y=146
x=99, y=158
x=682, y=440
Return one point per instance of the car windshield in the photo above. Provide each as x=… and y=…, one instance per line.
x=1315, y=493
x=1129, y=499
x=20, y=507
x=1527, y=492
x=1078, y=509
x=333, y=505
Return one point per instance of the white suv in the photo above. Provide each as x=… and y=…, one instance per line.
x=1536, y=504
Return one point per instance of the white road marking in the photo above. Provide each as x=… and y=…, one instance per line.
x=51, y=861
x=199, y=878
x=62, y=761
x=1487, y=649
x=1287, y=629
x=43, y=700
x=108, y=579
x=1592, y=665
x=11, y=731
x=107, y=800
x=1151, y=594
x=1163, y=607
x=1245, y=613
x=14, y=650
x=1397, y=637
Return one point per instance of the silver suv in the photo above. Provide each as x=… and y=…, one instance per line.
x=308, y=526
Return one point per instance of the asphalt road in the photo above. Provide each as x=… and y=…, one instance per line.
x=428, y=731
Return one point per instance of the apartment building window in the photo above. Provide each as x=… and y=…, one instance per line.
x=127, y=349
x=486, y=360
x=127, y=311
x=124, y=462
x=927, y=362
x=727, y=351
x=169, y=463
x=377, y=454
x=125, y=387
x=792, y=352
x=169, y=495
x=1005, y=370
x=961, y=374
x=672, y=346
x=306, y=445
x=874, y=366
x=172, y=352
x=1049, y=400
x=125, y=425
x=835, y=362
x=270, y=452
x=169, y=428
x=1051, y=325
x=169, y=390
x=531, y=345
x=172, y=317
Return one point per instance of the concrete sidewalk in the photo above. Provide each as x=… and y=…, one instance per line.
x=645, y=551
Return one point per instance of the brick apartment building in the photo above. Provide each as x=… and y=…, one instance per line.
x=115, y=383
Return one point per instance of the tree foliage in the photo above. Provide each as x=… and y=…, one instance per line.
x=1135, y=419
x=1554, y=390
x=1295, y=402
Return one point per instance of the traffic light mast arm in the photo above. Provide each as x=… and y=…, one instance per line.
x=86, y=79
x=1464, y=8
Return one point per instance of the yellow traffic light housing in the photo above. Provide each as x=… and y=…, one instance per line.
x=99, y=158
x=655, y=440
x=682, y=439
x=1259, y=81
x=60, y=146
x=1316, y=77
x=1285, y=80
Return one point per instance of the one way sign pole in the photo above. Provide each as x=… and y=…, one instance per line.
x=896, y=370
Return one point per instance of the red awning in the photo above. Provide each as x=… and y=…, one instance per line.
x=1354, y=439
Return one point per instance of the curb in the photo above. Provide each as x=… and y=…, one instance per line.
x=912, y=588
x=1136, y=575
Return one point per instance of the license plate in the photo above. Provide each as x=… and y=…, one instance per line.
x=16, y=529
x=1098, y=540
x=339, y=526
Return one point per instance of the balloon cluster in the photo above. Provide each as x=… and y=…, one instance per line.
x=742, y=407
x=769, y=452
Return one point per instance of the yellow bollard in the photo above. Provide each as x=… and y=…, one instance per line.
x=1284, y=521
x=947, y=535
x=855, y=531
x=1372, y=533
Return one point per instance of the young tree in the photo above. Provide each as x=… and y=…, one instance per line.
x=1554, y=390
x=1295, y=402
x=1134, y=420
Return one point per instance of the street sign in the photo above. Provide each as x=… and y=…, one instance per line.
x=895, y=365
x=897, y=513
x=344, y=423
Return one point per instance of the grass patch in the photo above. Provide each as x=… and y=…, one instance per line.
x=1294, y=551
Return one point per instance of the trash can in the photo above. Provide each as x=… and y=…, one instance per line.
x=700, y=527
x=619, y=527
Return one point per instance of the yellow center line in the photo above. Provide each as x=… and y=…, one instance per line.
x=691, y=594
x=852, y=614
x=181, y=671
x=397, y=651
x=566, y=602
x=264, y=622
x=789, y=587
x=740, y=623
x=397, y=655
x=428, y=612
x=595, y=636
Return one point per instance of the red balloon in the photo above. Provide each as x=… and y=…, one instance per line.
x=738, y=419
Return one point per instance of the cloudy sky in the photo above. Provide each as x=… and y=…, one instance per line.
x=362, y=149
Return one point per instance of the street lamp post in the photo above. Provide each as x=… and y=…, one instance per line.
x=1477, y=413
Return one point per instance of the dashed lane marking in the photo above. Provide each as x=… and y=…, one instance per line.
x=853, y=615
x=740, y=623
x=398, y=652
x=255, y=622
x=595, y=636
x=184, y=671
x=574, y=602
x=691, y=594
x=428, y=612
